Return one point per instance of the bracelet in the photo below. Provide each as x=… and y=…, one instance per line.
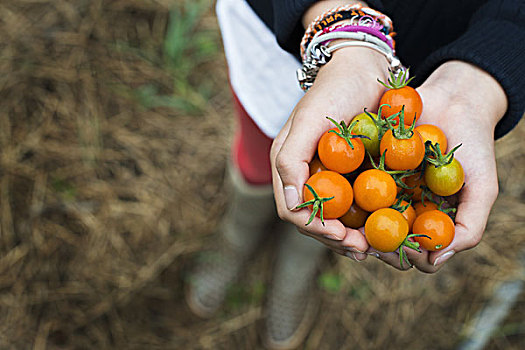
x=326, y=38
x=368, y=30
x=356, y=13
x=319, y=55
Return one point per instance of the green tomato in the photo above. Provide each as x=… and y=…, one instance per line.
x=446, y=179
x=367, y=127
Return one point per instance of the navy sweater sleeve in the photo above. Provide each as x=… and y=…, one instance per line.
x=495, y=42
x=489, y=34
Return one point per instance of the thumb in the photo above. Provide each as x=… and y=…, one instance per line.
x=293, y=151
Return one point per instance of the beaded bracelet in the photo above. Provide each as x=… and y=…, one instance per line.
x=356, y=13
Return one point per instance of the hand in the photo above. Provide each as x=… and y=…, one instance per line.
x=466, y=103
x=342, y=88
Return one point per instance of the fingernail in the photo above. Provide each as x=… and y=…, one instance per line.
x=332, y=237
x=353, y=250
x=291, y=197
x=374, y=254
x=351, y=255
x=356, y=256
x=443, y=258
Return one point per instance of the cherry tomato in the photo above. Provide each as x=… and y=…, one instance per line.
x=397, y=98
x=374, y=189
x=420, y=208
x=355, y=217
x=402, y=154
x=386, y=229
x=409, y=214
x=330, y=184
x=438, y=226
x=367, y=127
x=336, y=154
x=446, y=179
x=316, y=166
x=433, y=134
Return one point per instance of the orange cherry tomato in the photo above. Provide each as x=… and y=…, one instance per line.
x=336, y=154
x=420, y=208
x=374, y=189
x=386, y=229
x=316, y=166
x=397, y=98
x=355, y=217
x=402, y=154
x=330, y=184
x=409, y=214
x=438, y=226
x=433, y=134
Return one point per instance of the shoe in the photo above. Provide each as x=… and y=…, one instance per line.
x=293, y=300
x=250, y=214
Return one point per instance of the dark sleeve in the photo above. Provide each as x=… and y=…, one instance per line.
x=495, y=42
x=284, y=17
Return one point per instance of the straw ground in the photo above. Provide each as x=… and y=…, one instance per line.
x=115, y=122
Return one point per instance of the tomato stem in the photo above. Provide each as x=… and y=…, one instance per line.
x=381, y=124
x=409, y=244
x=401, y=208
x=398, y=82
x=437, y=158
x=448, y=211
x=316, y=203
x=427, y=194
x=345, y=131
x=393, y=173
x=401, y=132
x=398, y=178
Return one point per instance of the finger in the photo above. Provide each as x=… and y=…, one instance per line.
x=294, y=155
x=293, y=164
x=420, y=260
x=336, y=246
x=332, y=228
x=475, y=202
x=391, y=259
x=355, y=240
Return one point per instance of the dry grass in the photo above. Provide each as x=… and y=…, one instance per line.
x=104, y=197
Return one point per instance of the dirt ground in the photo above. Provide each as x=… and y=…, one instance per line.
x=114, y=134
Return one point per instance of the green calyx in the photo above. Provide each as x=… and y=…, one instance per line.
x=409, y=244
x=427, y=194
x=317, y=204
x=401, y=132
x=401, y=208
x=448, y=211
x=436, y=157
x=345, y=131
x=398, y=178
x=381, y=124
x=399, y=174
x=398, y=82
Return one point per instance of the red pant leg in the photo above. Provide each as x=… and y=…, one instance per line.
x=251, y=148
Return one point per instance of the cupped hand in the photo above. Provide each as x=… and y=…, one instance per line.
x=342, y=88
x=466, y=103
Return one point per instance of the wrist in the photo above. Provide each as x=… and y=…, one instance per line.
x=350, y=70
